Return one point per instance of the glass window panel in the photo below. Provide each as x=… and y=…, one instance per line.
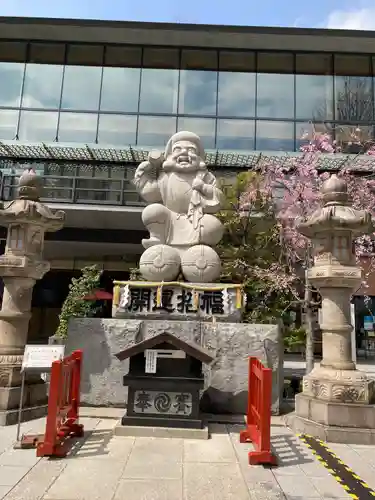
x=274, y=136
x=352, y=65
x=159, y=89
x=81, y=88
x=47, y=53
x=314, y=97
x=204, y=127
x=8, y=123
x=38, y=126
x=199, y=59
x=198, y=92
x=12, y=51
x=233, y=60
x=305, y=132
x=236, y=94
x=155, y=130
x=275, y=62
x=117, y=130
x=11, y=76
x=350, y=138
x=275, y=97
x=353, y=99
x=42, y=87
x=85, y=54
x=120, y=89
x=78, y=127
x=314, y=64
x=235, y=134
x=124, y=56
x=161, y=58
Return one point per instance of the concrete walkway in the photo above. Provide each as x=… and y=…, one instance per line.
x=103, y=467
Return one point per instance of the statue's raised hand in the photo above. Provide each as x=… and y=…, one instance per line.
x=151, y=167
x=197, y=184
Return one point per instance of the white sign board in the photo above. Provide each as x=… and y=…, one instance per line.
x=41, y=357
x=171, y=353
x=151, y=358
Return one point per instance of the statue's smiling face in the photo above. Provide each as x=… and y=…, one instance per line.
x=185, y=156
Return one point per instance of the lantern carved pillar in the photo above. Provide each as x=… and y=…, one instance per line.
x=27, y=220
x=336, y=402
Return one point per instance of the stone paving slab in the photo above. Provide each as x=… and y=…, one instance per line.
x=103, y=466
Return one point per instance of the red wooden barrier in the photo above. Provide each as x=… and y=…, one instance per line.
x=258, y=429
x=63, y=406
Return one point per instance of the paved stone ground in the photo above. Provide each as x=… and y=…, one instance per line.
x=103, y=467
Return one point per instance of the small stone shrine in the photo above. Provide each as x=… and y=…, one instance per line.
x=164, y=380
x=180, y=295
x=338, y=401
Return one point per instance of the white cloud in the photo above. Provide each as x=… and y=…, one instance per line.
x=354, y=19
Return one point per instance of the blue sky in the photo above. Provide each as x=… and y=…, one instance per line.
x=349, y=14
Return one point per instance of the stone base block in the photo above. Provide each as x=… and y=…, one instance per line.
x=226, y=379
x=334, y=414
x=161, y=422
x=10, y=397
x=160, y=432
x=35, y=396
x=330, y=433
x=10, y=417
x=342, y=386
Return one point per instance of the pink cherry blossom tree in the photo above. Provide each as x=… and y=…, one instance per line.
x=292, y=189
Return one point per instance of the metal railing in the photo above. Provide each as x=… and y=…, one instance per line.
x=71, y=189
x=88, y=189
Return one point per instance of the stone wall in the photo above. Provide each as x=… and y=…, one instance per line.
x=226, y=378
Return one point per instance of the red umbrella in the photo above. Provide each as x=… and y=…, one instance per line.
x=98, y=295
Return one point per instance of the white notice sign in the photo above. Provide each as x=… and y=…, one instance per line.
x=151, y=357
x=41, y=356
x=171, y=353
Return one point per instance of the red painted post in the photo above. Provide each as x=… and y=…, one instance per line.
x=63, y=406
x=258, y=425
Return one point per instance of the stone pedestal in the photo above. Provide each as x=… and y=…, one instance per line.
x=226, y=379
x=21, y=265
x=337, y=400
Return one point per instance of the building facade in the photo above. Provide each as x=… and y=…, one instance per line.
x=84, y=101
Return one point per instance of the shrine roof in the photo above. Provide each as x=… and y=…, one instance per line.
x=26, y=152
x=191, y=348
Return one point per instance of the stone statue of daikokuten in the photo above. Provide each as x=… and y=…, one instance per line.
x=183, y=198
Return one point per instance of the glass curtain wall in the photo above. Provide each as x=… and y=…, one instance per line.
x=127, y=95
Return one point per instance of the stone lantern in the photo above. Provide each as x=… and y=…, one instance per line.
x=336, y=402
x=27, y=220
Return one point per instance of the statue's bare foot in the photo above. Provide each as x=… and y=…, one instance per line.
x=151, y=242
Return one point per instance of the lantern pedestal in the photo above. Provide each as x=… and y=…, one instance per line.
x=347, y=423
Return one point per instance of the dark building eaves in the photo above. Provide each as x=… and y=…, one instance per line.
x=187, y=35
